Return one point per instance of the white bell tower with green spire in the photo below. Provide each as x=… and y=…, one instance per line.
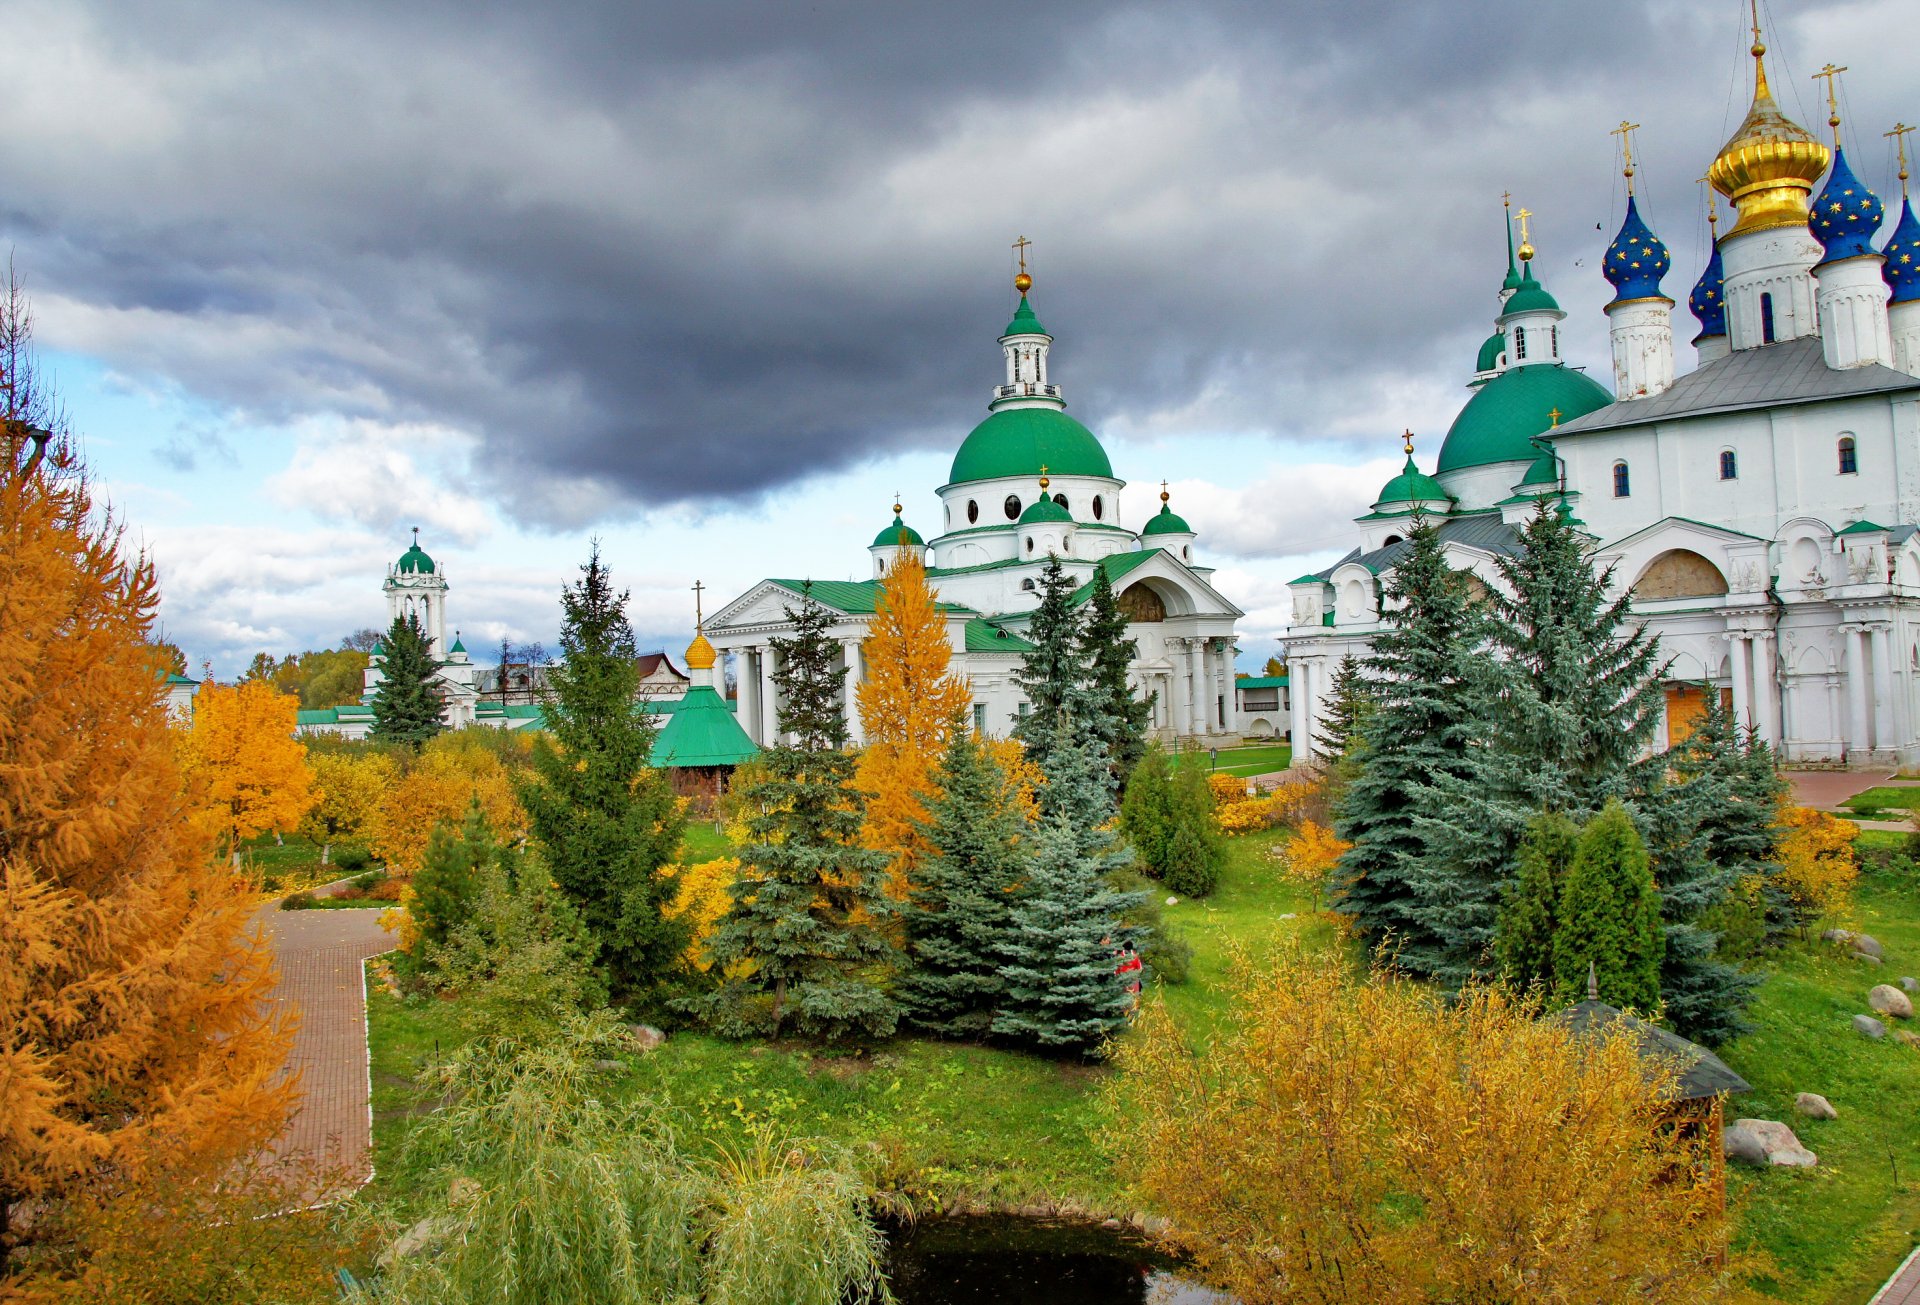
x=415, y=586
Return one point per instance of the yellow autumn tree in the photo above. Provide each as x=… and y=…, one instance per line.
x=1339, y=1140
x=348, y=788
x=246, y=773
x=1817, y=866
x=134, y=1020
x=908, y=702
x=438, y=787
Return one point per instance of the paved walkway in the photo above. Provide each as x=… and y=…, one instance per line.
x=321, y=955
x=1903, y=1288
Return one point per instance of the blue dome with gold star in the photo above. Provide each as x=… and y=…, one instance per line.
x=1847, y=215
x=1636, y=260
x=1903, y=257
x=1708, y=300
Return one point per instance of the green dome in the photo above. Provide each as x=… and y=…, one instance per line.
x=1544, y=471
x=1020, y=441
x=1531, y=297
x=896, y=534
x=1165, y=522
x=1501, y=419
x=1411, y=486
x=415, y=562
x=1044, y=509
x=1490, y=352
x=458, y=647
x=1024, y=322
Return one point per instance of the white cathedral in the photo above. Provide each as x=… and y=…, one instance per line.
x=1028, y=484
x=1761, y=509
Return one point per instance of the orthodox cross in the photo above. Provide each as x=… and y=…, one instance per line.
x=1899, y=134
x=699, y=618
x=1163, y=491
x=1553, y=415
x=1409, y=444
x=1832, y=74
x=1043, y=477
x=1713, y=216
x=1625, y=132
x=1526, y=243
x=1021, y=246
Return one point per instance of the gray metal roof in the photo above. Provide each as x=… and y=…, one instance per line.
x=1700, y=1072
x=1484, y=531
x=1793, y=371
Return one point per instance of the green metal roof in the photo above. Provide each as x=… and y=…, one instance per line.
x=1024, y=322
x=1261, y=681
x=898, y=533
x=1531, y=297
x=1412, y=486
x=415, y=562
x=458, y=647
x=317, y=716
x=1499, y=422
x=1020, y=441
x=174, y=677
x=1166, y=522
x=1861, y=528
x=1044, y=509
x=1115, y=565
x=854, y=597
x=1490, y=352
x=983, y=636
x=1544, y=471
x=702, y=732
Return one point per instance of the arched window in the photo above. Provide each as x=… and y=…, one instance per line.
x=1099, y=508
x=1029, y=543
x=949, y=516
x=973, y=511
x=1729, y=465
x=1622, y=486
x=1390, y=541
x=1060, y=500
x=1553, y=339
x=1849, y=463
x=1012, y=507
x=1519, y=342
x=1766, y=319
x=1027, y=585
x=1186, y=552
x=1067, y=543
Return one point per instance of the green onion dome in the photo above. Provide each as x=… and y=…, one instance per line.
x=1024, y=322
x=415, y=562
x=1531, y=297
x=1166, y=522
x=898, y=533
x=1044, y=509
x=1499, y=422
x=1411, y=486
x=1490, y=351
x=1018, y=442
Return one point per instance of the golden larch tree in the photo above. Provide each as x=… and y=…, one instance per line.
x=438, y=787
x=348, y=789
x=133, y=992
x=908, y=702
x=246, y=773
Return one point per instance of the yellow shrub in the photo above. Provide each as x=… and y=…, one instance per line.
x=1312, y=854
x=1817, y=868
x=702, y=893
x=398, y=920
x=1248, y=817
x=1229, y=790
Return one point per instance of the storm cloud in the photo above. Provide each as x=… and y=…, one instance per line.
x=644, y=255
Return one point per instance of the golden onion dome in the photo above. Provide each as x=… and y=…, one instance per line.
x=1770, y=166
x=700, y=654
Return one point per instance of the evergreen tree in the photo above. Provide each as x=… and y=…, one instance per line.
x=1120, y=717
x=1609, y=917
x=1051, y=670
x=1146, y=811
x=1426, y=727
x=604, y=819
x=443, y=888
x=958, y=913
x=804, y=926
x=1062, y=956
x=1348, y=705
x=406, y=707
x=1523, y=937
x=1167, y=815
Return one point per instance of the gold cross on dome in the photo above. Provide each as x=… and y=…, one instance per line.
x=1021, y=246
x=1832, y=74
x=1408, y=436
x=1526, y=241
x=699, y=619
x=1899, y=134
x=1625, y=132
x=1553, y=415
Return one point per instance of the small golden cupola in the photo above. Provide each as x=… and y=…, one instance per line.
x=700, y=655
x=1769, y=168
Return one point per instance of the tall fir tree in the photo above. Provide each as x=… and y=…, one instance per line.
x=805, y=927
x=1348, y=704
x=1167, y=815
x=1106, y=652
x=1609, y=917
x=444, y=886
x=959, y=910
x=604, y=819
x=406, y=707
x=1529, y=915
x=1426, y=728
x=1064, y=987
x=1051, y=671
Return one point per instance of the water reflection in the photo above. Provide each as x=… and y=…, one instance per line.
x=1011, y=1261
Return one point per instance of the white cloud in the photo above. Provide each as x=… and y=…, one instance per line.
x=383, y=477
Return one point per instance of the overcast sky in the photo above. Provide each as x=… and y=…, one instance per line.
x=711, y=281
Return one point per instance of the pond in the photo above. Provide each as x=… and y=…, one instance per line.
x=1013, y=1261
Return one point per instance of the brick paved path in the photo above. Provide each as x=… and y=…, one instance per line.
x=1903, y=1288
x=320, y=954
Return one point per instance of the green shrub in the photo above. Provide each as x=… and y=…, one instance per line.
x=351, y=858
x=302, y=901
x=364, y=883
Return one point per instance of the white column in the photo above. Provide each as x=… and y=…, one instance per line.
x=1197, y=686
x=1836, y=727
x=1882, y=688
x=1297, y=708
x=1229, y=695
x=746, y=689
x=1177, y=695
x=1766, y=698
x=1857, y=728
x=1742, y=691
x=856, y=731
x=769, y=695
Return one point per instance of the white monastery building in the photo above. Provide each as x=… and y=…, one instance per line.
x=1028, y=484
x=1761, y=509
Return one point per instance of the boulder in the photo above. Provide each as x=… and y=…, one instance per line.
x=1867, y=945
x=1886, y=999
x=1815, y=1106
x=1836, y=936
x=1766, y=1142
x=1865, y=959
x=1870, y=1026
x=417, y=1239
x=1909, y=983
x=463, y=1191
x=645, y=1037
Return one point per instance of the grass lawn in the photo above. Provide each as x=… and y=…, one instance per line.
x=1258, y=759
x=1885, y=797
x=939, y=1121
x=286, y=866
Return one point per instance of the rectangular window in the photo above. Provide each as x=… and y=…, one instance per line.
x=1023, y=709
x=1849, y=465
x=980, y=718
x=1766, y=319
x=1729, y=465
x=1519, y=342
x=1622, y=486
